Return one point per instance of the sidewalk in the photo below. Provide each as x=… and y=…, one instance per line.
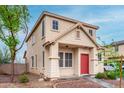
x=99, y=81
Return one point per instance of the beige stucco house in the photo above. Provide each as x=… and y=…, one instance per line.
x=119, y=47
x=62, y=47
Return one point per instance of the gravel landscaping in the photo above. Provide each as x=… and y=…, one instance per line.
x=78, y=83
x=35, y=83
x=115, y=83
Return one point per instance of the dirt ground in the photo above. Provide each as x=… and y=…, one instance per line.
x=35, y=83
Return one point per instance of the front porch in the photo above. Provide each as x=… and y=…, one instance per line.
x=65, y=60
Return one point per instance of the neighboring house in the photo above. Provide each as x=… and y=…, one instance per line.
x=119, y=47
x=62, y=47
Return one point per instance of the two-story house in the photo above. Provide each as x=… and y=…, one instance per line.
x=62, y=47
x=119, y=47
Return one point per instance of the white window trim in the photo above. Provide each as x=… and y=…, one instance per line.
x=54, y=30
x=64, y=59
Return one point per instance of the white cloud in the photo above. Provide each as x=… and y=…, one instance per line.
x=98, y=20
x=83, y=13
x=109, y=16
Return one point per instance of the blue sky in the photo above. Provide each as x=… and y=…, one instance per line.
x=110, y=19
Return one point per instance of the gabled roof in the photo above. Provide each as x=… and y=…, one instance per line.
x=79, y=25
x=118, y=42
x=60, y=17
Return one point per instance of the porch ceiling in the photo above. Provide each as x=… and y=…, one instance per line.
x=64, y=45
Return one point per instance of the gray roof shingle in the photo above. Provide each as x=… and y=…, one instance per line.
x=118, y=42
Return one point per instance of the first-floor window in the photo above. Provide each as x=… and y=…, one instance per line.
x=32, y=58
x=61, y=59
x=99, y=57
x=36, y=60
x=65, y=59
x=43, y=58
x=68, y=59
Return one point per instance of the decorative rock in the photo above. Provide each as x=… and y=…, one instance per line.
x=41, y=79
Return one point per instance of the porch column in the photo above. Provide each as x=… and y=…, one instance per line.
x=54, y=61
x=93, y=61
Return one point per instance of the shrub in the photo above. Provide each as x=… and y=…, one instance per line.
x=101, y=76
x=111, y=75
x=106, y=75
x=23, y=78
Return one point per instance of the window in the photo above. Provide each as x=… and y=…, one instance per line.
x=99, y=57
x=43, y=28
x=32, y=58
x=61, y=59
x=91, y=32
x=65, y=59
x=33, y=40
x=78, y=34
x=68, y=59
x=36, y=60
x=116, y=49
x=43, y=58
x=55, y=25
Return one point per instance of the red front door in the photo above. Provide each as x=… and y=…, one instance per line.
x=84, y=64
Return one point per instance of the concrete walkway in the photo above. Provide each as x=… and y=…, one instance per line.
x=99, y=81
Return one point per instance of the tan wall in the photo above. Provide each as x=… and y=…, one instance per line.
x=77, y=62
x=63, y=27
x=121, y=50
x=71, y=38
x=36, y=49
x=19, y=68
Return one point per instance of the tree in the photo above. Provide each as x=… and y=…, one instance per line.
x=110, y=55
x=13, y=19
x=4, y=56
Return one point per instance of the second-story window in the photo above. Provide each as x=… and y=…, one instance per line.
x=91, y=32
x=55, y=25
x=43, y=29
x=116, y=48
x=33, y=40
